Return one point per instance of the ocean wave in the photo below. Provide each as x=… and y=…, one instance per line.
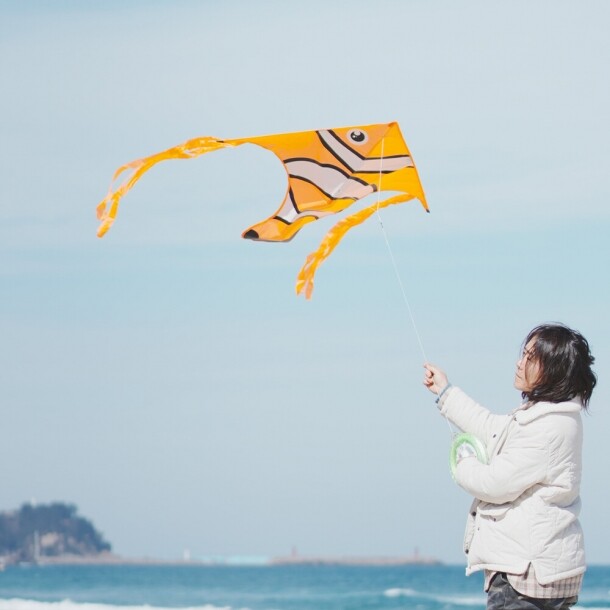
x=480, y=600
x=456, y=600
x=399, y=593
x=67, y=604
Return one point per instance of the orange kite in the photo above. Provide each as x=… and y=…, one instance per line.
x=328, y=170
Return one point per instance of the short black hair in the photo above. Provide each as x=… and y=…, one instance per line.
x=565, y=363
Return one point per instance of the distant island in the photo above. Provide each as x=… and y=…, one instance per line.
x=44, y=532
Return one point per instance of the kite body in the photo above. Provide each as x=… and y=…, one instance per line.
x=328, y=170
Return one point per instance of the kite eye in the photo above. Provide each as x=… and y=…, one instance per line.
x=357, y=136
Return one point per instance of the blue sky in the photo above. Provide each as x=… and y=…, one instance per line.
x=167, y=380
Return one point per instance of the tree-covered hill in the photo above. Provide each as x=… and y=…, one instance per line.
x=34, y=532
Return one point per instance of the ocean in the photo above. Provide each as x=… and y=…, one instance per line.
x=289, y=587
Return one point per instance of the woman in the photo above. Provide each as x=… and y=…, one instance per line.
x=523, y=528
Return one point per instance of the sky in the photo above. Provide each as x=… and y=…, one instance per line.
x=168, y=381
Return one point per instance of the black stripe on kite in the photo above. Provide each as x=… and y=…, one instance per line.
x=334, y=153
x=322, y=190
x=376, y=171
x=329, y=165
x=292, y=200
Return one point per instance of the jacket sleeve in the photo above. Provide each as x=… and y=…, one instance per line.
x=522, y=463
x=470, y=416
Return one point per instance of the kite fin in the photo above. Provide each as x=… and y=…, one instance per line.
x=276, y=229
x=305, y=278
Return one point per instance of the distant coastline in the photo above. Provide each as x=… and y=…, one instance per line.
x=54, y=534
x=107, y=558
x=355, y=561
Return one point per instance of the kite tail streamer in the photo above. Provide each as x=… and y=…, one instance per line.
x=305, y=278
x=186, y=150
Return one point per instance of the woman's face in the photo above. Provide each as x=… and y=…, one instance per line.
x=528, y=368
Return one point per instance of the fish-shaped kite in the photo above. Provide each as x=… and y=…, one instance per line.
x=328, y=170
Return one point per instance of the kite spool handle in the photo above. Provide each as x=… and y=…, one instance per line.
x=468, y=444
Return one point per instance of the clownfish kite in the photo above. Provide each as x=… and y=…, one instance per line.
x=328, y=170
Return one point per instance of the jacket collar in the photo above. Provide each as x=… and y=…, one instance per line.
x=525, y=415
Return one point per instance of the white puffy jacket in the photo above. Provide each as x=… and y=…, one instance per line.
x=527, y=497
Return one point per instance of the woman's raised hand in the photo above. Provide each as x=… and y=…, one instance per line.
x=434, y=379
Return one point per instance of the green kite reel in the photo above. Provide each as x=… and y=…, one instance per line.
x=465, y=445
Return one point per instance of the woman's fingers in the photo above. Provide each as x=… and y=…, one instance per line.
x=434, y=378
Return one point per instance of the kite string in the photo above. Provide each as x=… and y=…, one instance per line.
x=398, y=277
x=394, y=265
